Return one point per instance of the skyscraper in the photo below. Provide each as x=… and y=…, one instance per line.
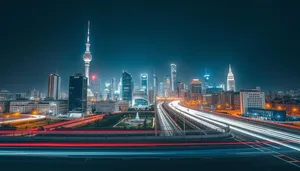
x=112, y=89
x=173, y=77
x=196, y=89
x=54, y=87
x=106, y=91
x=87, y=58
x=127, y=86
x=144, y=82
x=167, y=86
x=154, y=85
x=205, y=85
x=120, y=89
x=95, y=86
x=230, y=80
x=161, y=89
x=77, y=96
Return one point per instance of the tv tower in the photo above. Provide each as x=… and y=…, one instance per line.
x=87, y=58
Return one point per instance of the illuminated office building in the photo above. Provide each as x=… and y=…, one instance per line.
x=54, y=87
x=230, y=80
x=173, y=77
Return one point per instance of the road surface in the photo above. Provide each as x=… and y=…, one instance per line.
x=168, y=126
x=281, y=144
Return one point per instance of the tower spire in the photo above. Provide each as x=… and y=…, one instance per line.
x=230, y=68
x=88, y=39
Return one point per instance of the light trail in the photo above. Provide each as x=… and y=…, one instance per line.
x=206, y=124
x=31, y=118
x=243, y=127
x=124, y=144
x=61, y=124
x=165, y=125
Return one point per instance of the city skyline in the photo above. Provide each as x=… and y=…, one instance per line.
x=126, y=46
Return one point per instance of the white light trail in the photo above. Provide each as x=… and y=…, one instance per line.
x=253, y=130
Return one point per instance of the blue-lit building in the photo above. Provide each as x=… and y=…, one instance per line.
x=127, y=86
x=77, y=96
x=266, y=114
x=144, y=82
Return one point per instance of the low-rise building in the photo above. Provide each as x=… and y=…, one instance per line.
x=252, y=98
x=4, y=106
x=266, y=114
x=43, y=107
x=6, y=95
x=107, y=106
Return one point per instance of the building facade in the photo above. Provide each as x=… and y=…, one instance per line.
x=230, y=80
x=251, y=99
x=195, y=89
x=112, y=89
x=95, y=86
x=6, y=95
x=266, y=114
x=127, y=86
x=167, y=86
x=77, y=96
x=33, y=94
x=52, y=107
x=173, y=77
x=144, y=82
x=107, y=107
x=4, y=106
x=54, y=82
x=155, y=86
x=161, y=89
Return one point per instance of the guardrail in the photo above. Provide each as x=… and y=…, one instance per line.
x=105, y=136
x=195, y=124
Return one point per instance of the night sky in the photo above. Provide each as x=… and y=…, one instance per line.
x=260, y=39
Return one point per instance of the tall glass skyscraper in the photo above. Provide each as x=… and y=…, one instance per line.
x=173, y=77
x=167, y=86
x=161, y=89
x=230, y=80
x=54, y=87
x=144, y=82
x=155, y=87
x=112, y=89
x=78, y=95
x=196, y=89
x=95, y=86
x=127, y=86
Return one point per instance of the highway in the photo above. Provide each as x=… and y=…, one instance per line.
x=28, y=118
x=168, y=126
x=74, y=123
x=281, y=144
